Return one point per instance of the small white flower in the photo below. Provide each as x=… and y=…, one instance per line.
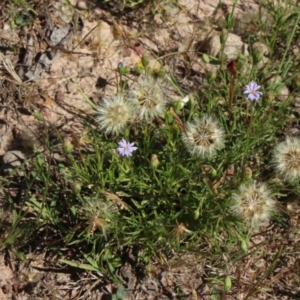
x=287, y=159
x=147, y=97
x=114, y=114
x=203, y=136
x=253, y=203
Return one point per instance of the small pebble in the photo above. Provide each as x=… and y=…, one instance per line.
x=6, y=26
x=70, y=87
x=294, y=131
x=284, y=93
x=82, y=5
x=11, y=160
x=59, y=96
x=260, y=48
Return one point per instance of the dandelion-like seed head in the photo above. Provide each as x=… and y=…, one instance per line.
x=253, y=203
x=179, y=230
x=147, y=98
x=81, y=139
x=95, y=222
x=287, y=159
x=203, y=136
x=114, y=114
x=98, y=214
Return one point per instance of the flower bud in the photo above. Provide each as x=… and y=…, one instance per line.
x=154, y=161
x=159, y=73
x=247, y=173
x=212, y=75
x=227, y=284
x=244, y=246
x=145, y=60
x=67, y=145
x=75, y=187
x=123, y=70
x=169, y=119
x=259, y=50
x=223, y=37
x=269, y=96
x=213, y=172
x=258, y=56
x=196, y=214
x=38, y=116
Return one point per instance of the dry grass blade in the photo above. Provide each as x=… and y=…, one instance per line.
x=116, y=198
x=7, y=64
x=178, y=121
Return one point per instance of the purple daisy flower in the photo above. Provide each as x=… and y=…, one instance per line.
x=251, y=90
x=126, y=148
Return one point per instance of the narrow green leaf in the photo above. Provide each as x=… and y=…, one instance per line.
x=80, y=266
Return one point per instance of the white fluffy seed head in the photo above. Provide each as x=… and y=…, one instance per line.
x=114, y=114
x=98, y=214
x=147, y=98
x=253, y=203
x=286, y=159
x=203, y=137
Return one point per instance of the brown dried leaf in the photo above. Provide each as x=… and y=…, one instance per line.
x=114, y=197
